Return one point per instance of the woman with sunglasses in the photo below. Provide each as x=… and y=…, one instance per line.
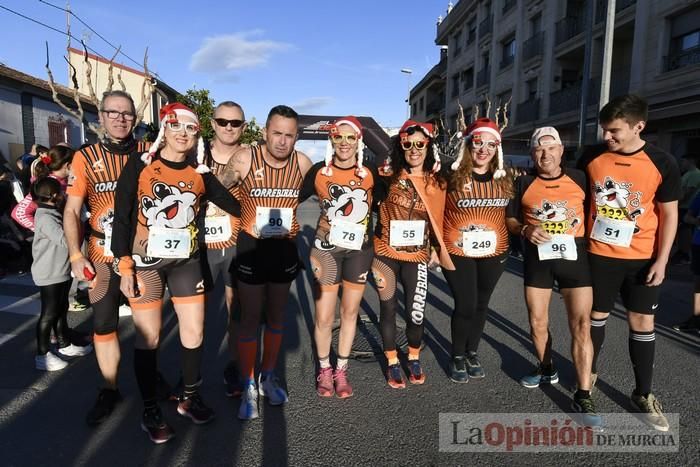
x=410, y=222
x=476, y=238
x=154, y=242
x=342, y=251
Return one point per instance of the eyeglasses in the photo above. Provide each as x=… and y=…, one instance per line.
x=223, y=122
x=115, y=114
x=349, y=138
x=491, y=145
x=190, y=128
x=418, y=144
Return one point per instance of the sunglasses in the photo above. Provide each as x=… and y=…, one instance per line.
x=223, y=122
x=492, y=145
x=189, y=128
x=418, y=144
x=349, y=138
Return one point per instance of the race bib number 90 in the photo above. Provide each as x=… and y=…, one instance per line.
x=612, y=231
x=406, y=233
x=217, y=229
x=562, y=246
x=273, y=222
x=347, y=234
x=479, y=243
x=168, y=243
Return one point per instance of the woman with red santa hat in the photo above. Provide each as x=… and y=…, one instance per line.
x=476, y=238
x=407, y=241
x=347, y=189
x=155, y=243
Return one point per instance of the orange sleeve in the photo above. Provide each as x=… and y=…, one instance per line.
x=126, y=265
x=77, y=180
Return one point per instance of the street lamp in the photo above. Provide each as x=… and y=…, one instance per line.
x=408, y=72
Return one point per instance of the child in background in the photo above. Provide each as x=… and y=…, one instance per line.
x=51, y=272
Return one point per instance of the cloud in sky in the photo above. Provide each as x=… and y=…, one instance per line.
x=311, y=104
x=234, y=52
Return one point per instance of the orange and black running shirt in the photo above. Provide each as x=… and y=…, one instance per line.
x=165, y=195
x=557, y=204
x=94, y=174
x=343, y=196
x=480, y=206
x=267, y=187
x=627, y=187
x=402, y=203
x=220, y=228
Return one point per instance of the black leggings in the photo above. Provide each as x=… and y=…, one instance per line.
x=472, y=283
x=414, y=278
x=54, y=308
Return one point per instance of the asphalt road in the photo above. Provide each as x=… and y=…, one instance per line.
x=42, y=415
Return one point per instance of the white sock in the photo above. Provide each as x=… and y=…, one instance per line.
x=325, y=362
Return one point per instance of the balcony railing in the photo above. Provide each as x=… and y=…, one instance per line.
x=486, y=26
x=508, y=4
x=682, y=59
x=601, y=8
x=533, y=46
x=567, y=28
x=528, y=111
x=569, y=98
x=482, y=77
x=434, y=107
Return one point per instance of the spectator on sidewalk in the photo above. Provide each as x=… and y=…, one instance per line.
x=690, y=182
x=692, y=217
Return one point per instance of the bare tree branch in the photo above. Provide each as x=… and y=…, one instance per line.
x=145, y=96
x=88, y=77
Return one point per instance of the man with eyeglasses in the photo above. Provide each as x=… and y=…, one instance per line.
x=221, y=229
x=93, y=181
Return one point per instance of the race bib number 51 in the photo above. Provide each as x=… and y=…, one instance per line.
x=612, y=231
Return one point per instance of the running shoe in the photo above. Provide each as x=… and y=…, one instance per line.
x=158, y=429
x=394, y=376
x=73, y=350
x=232, y=380
x=342, y=385
x=107, y=399
x=650, y=411
x=540, y=376
x=324, y=382
x=474, y=367
x=458, y=370
x=193, y=406
x=49, y=362
x=270, y=387
x=249, y=403
x=586, y=407
x=692, y=324
x=415, y=372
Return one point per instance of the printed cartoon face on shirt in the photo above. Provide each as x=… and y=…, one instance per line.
x=346, y=204
x=615, y=200
x=555, y=217
x=169, y=207
x=105, y=221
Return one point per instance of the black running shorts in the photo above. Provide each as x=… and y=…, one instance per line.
x=330, y=267
x=568, y=274
x=263, y=260
x=626, y=277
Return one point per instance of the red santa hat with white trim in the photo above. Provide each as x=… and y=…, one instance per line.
x=428, y=129
x=478, y=126
x=169, y=114
x=355, y=124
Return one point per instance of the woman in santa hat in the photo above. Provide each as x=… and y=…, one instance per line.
x=407, y=241
x=347, y=189
x=155, y=243
x=476, y=237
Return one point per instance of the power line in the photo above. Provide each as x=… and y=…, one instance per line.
x=91, y=29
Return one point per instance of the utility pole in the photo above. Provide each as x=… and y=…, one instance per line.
x=408, y=72
x=585, y=83
x=68, y=24
x=607, y=60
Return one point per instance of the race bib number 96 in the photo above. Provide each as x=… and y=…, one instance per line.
x=561, y=246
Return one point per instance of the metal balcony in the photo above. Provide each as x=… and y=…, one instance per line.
x=569, y=98
x=567, y=28
x=482, y=77
x=682, y=59
x=533, y=46
x=486, y=26
x=528, y=111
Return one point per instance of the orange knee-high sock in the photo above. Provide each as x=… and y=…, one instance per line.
x=247, y=351
x=392, y=357
x=413, y=353
x=272, y=341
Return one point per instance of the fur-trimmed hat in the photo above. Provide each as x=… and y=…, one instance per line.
x=428, y=130
x=169, y=114
x=484, y=125
x=355, y=124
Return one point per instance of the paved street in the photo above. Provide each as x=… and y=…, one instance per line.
x=42, y=415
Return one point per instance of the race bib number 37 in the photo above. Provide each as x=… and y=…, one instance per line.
x=168, y=243
x=406, y=233
x=273, y=222
x=612, y=231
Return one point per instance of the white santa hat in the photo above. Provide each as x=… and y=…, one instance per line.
x=483, y=125
x=169, y=114
x=355, y=124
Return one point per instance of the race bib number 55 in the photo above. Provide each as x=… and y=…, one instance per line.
x=406, y=233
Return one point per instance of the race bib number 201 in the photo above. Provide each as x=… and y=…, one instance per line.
x=217, y=229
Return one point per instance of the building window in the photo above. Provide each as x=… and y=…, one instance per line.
x=421, y=104
x=457, y=41
x=455, y=85
x=535, y=24
x=684, y=46
x=59, y=130
x=471, y=31
x=508, y=52
x=508, y=5
x=467, y=79
x=531, y=89
x=413, y=109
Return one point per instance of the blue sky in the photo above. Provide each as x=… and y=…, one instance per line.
x=319, y=57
